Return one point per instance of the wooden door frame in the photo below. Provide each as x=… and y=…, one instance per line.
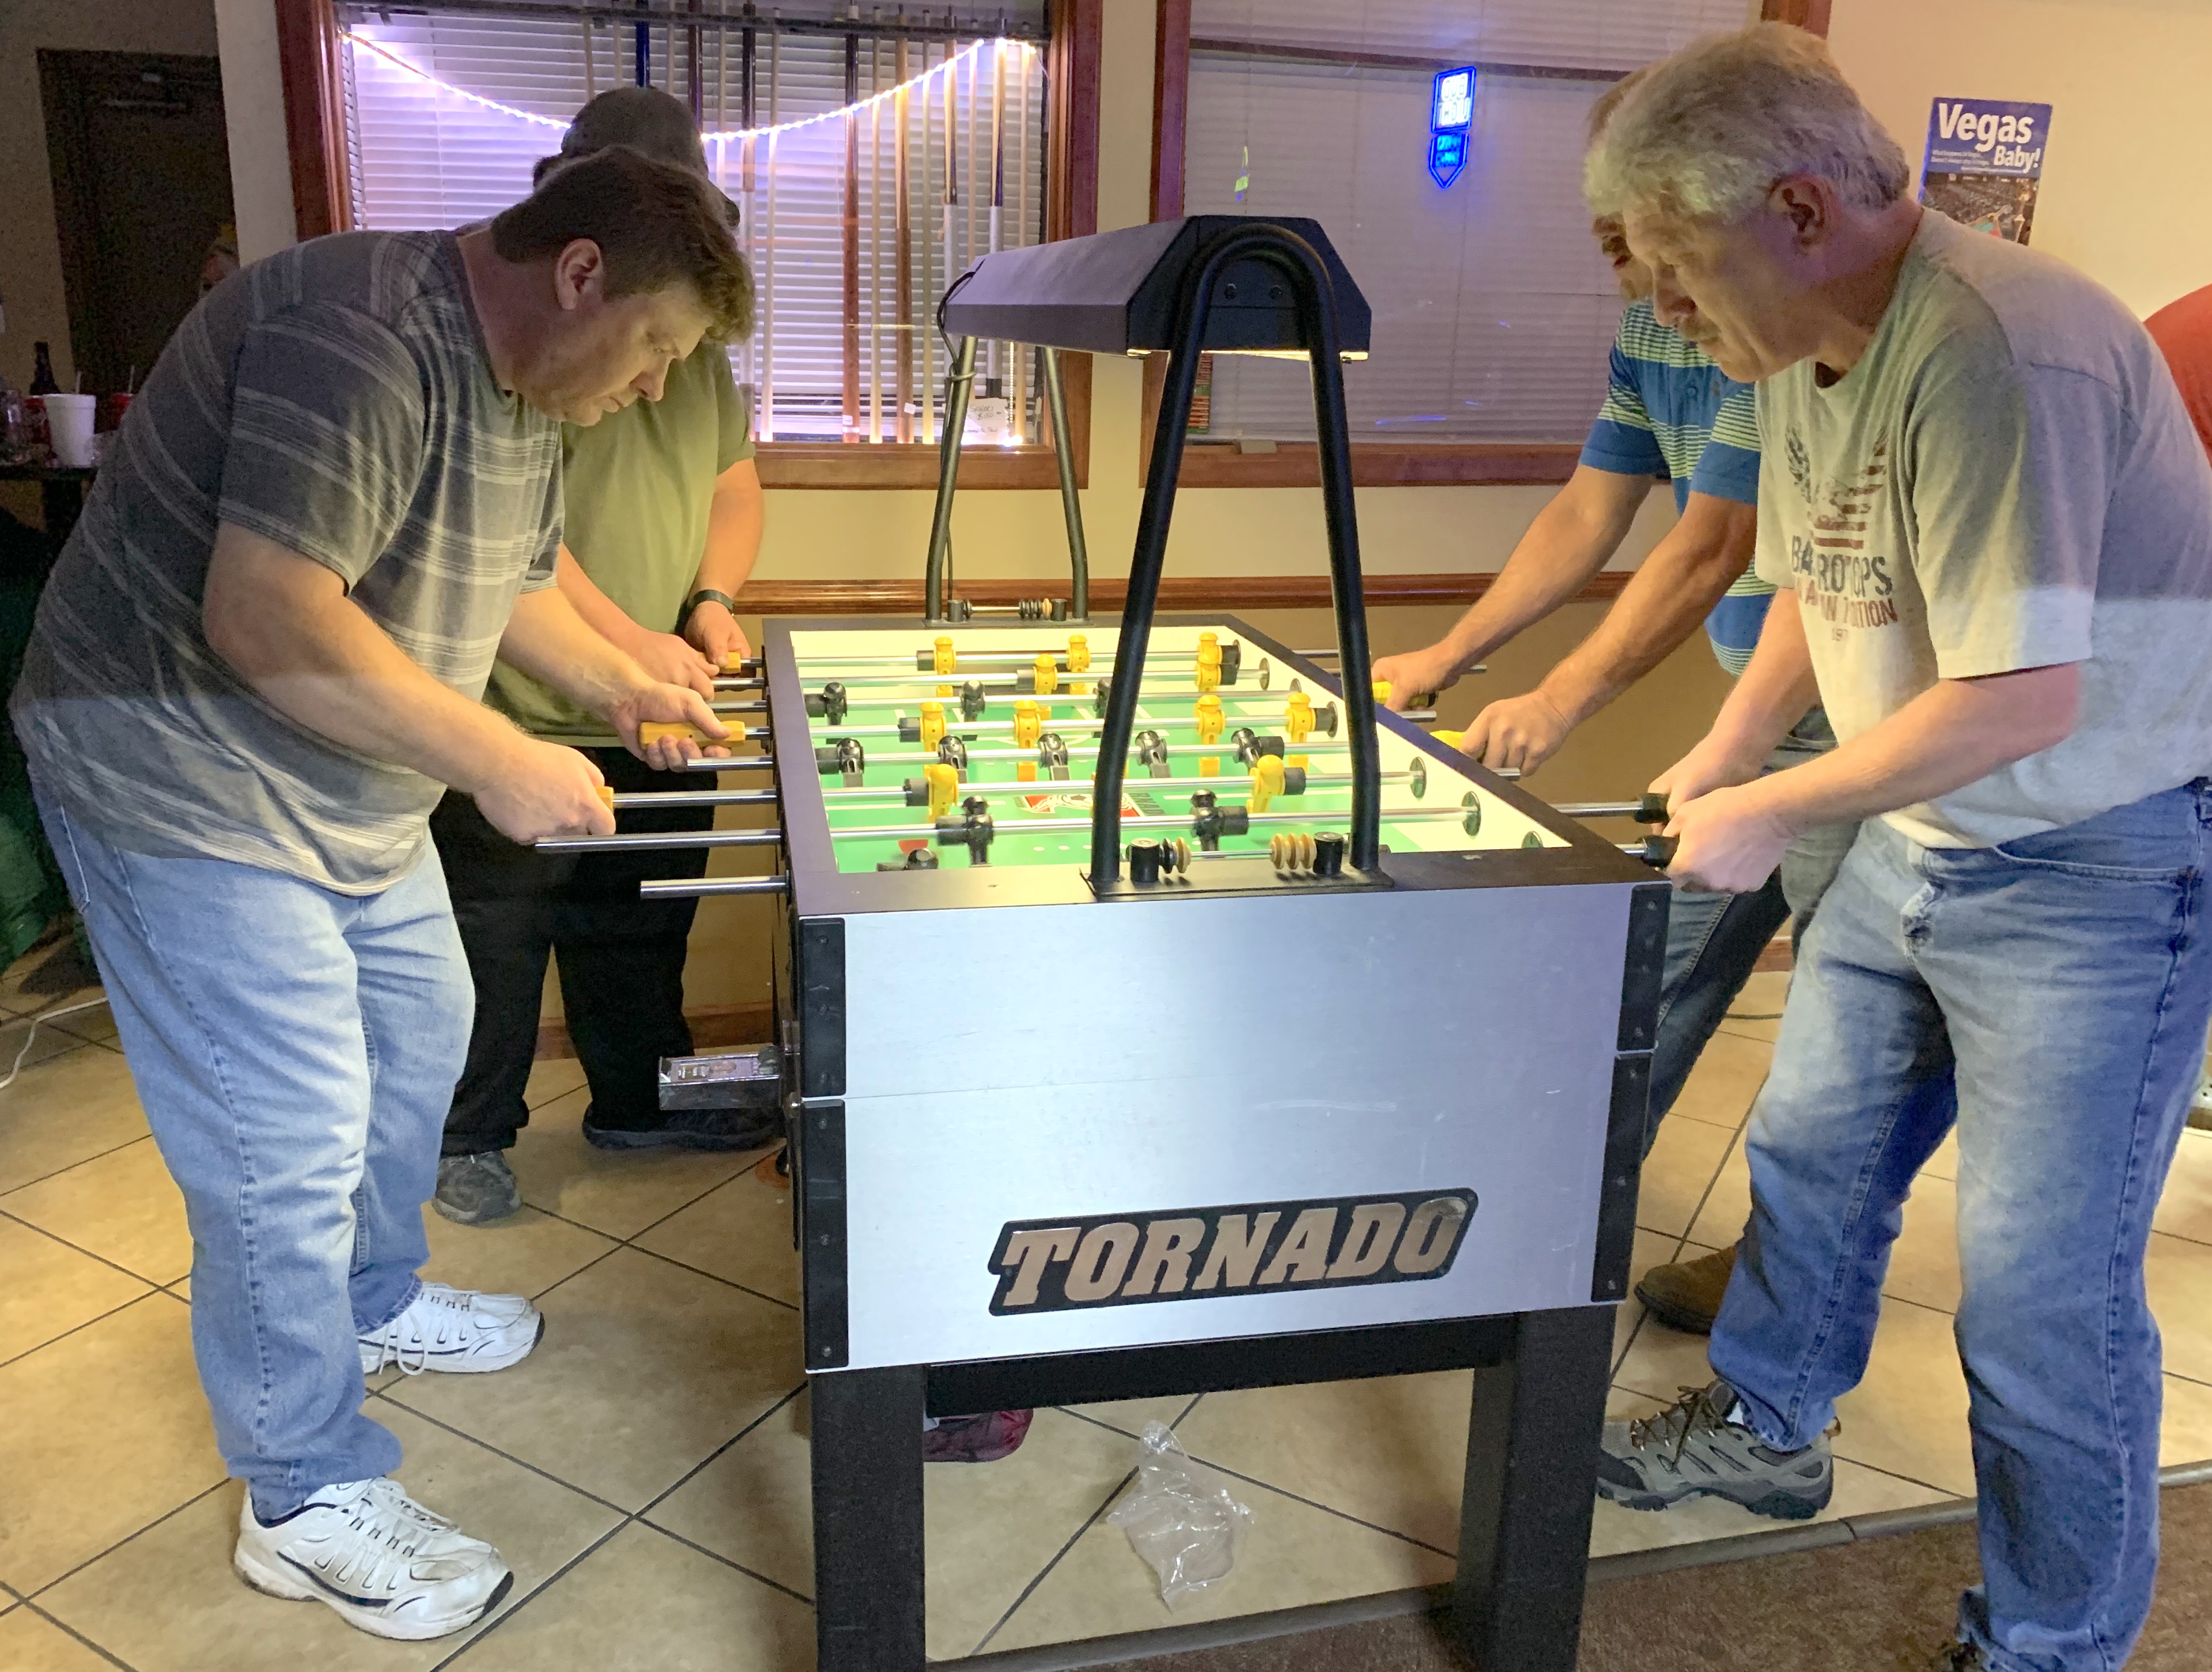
x=310, y=51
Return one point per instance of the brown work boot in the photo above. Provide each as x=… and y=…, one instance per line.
x=1687, y=1295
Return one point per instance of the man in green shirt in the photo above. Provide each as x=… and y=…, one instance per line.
x=663, y=517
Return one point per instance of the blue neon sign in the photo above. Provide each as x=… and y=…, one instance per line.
x=1451, y=113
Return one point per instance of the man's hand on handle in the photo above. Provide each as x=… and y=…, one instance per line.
x=1728, y=842
x=1517, y=733
x=674, y=704
x=537, y=790
x=714, y=631
x=675, y=661
x=1412, y=675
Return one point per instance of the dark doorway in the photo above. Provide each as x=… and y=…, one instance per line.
x=141, y=187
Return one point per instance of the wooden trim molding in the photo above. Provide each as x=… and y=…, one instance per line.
x=1177, y=592
x=1376, y=464
x=308, y=56
x=834, y=464
x=1807, y=15
x=714, y=1028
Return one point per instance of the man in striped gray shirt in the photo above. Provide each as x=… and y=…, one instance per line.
x=256, y=666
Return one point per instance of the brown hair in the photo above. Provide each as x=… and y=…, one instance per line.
x=656, y=225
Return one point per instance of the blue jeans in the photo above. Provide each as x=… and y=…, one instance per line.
x=1714, y=940
x=295, y=1050
x=2049, y=996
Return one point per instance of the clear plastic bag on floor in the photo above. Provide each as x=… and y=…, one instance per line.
x=1188, y=1530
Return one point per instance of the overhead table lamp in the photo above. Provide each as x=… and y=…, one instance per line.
x=1211, y=284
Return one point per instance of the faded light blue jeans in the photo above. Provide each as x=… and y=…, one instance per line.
x=1714, y=940
x=295, y=1050
x=2049, y=997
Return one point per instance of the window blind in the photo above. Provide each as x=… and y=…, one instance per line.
x=1493, y=311
x=441, y=109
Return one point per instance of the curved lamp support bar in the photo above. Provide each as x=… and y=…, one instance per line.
x=1071, y=505
x=958, y=385
x=1310, y=283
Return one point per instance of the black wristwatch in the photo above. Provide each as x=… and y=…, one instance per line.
x=704, y=595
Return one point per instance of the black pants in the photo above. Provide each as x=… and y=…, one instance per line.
x=621, y=958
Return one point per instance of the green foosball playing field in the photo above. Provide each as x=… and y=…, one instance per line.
x=977, y=745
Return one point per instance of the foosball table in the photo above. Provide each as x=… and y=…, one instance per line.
x=1163, y=1016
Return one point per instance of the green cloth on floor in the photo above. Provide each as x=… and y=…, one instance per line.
x=32, y=891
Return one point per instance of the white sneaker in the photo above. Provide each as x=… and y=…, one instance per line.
x=387, y=1565
x=454, y=1329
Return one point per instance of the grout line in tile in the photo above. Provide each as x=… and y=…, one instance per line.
x=1908, y=1480
x=81, y=1160
x=462, y=1433
x=537, y=1591
x=59, y=1579
x=689, y=1475
x=1636, y=1329
x=151, y=1291
x=715, y=1555
x=1089, y=1522
x=65, y=1627
x=1315, y=1503
x=694, y=1201
x=1114, y=1427
x=55, y=1236
x=727, y=1282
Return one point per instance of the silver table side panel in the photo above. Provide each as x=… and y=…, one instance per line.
x=1135, y=1059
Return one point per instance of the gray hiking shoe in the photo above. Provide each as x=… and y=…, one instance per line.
x=1691, y=1449
x=476, y=1190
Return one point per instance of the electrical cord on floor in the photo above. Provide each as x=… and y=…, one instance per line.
x=16, y=1066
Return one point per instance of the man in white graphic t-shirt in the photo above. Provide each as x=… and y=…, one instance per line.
x=1991, y=524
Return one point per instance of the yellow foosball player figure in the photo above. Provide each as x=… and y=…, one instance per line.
x=663, y=522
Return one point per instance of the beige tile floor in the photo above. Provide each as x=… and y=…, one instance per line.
x=646, y=1470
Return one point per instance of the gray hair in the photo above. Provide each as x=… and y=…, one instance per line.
x=1706, y=133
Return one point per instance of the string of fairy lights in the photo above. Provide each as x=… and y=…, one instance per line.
x=900, y=399
x=714, y=136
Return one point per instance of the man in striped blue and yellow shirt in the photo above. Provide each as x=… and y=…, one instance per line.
x=1669, y=412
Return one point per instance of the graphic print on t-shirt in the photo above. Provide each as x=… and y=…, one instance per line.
x=1839, y=582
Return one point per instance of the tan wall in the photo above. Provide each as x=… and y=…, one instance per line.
x=30, y=249
x=2122, y=195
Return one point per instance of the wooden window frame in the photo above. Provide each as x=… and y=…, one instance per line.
x=309, y=53
x=1374, y=463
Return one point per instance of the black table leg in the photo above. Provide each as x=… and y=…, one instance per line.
x=1531, y=1480
x=868, y=1594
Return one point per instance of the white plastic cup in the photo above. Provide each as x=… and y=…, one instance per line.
x=69, y=422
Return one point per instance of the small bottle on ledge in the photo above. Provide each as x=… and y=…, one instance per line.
x=37, y=441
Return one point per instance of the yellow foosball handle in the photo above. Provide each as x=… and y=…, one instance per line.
x=651, y=732
x=607, y=797
x=1451, y=739
x=734, y=662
